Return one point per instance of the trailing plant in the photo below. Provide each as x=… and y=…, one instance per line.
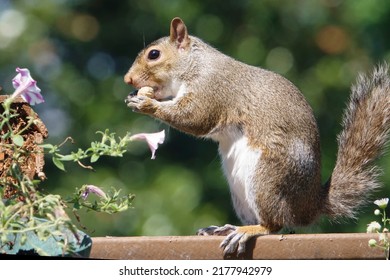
x=24, y=207
x=381, y=228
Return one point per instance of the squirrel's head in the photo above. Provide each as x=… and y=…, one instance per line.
x=157, y=65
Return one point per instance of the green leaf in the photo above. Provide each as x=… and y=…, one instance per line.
x=59, y=164
x=67, y=157
x=18, y=140
x=6, y=135
x=94, y=158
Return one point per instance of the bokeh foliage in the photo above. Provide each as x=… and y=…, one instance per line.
x=79, y=51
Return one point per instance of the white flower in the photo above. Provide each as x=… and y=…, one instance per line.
x=153, y=139
x=26, y=87
x=382, y=203
x=373, y=227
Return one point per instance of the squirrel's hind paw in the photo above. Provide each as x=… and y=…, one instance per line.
x=236, y=241
x=215, y=230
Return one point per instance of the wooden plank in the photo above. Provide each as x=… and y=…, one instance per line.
x=291, y=246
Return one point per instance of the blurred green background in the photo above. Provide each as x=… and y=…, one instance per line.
x=79, y=51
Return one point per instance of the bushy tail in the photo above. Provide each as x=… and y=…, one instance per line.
x=366, y=126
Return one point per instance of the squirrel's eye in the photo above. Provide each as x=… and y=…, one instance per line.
x=153, y=54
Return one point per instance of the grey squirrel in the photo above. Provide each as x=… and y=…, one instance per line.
x=267, y=134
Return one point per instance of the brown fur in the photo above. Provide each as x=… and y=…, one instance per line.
x=362, y=140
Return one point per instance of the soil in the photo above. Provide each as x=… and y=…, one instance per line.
x=32, y=162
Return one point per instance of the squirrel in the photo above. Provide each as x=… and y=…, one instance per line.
x=267, y=135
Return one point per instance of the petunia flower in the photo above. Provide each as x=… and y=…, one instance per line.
x=26, y=87
x=92, y=189
x=153, y=139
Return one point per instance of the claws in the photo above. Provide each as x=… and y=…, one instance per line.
x=215, y=230
x=235, y=242
x=134, y=102
x=143, y=104
x=140, y=100
x=237, y=237
x=207, y=231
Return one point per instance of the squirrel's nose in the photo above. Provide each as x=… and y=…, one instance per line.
x=128, y=79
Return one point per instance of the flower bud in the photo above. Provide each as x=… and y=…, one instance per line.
x=372, y=243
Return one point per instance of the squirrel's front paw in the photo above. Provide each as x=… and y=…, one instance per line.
x=142, y=104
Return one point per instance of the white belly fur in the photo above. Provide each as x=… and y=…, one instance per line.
x=239, y=162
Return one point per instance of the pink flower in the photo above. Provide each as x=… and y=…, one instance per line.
x=26, y=86
x=92, y=189
x=153, y=139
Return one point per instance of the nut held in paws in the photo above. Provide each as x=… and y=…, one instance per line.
x=146, y=91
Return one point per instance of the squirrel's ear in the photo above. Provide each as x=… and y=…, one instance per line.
x=179, y=33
